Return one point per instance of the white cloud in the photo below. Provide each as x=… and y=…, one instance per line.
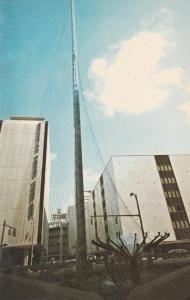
x=187, y=88
x=163, y=21
x=132, y=79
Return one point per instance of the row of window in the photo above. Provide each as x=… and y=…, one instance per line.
x=33, y=174
x=177, y=208
x=34, y=167
x=164, y=168
x=172, y=194
x=180, y=224
x=30, y=210
x=32, y=192
x=57, y=240
x=56, y=232
x=37, y=138
x=37, y=133
x=31, y=200
x=101, y=180
x=166, y=180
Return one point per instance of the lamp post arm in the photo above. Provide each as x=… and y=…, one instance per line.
x=139, y=214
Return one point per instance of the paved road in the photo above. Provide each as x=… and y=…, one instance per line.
x=173, y=286
x=17, y=288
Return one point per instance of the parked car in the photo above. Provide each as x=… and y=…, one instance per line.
x=177, y=253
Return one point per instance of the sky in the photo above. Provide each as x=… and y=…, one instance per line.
x=135, y=73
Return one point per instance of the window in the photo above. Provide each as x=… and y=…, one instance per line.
x=169, y=180
x=166, y=194
x=102, y=192
x=173, y=209
x=178, y=224
x=116, y=221
x=179, y=208
x=173, y=194
x=103, y=203
x=165, y=180
x=182, y=224
x=37, y=133
x=37, y=138
x=158, y=167
x=169, y=194
x=173, y=180
x=32, y=191
x=177, y=193
x=174, y=225
x=36, y=148
x=34, y=167
x=186, y=224
x=30, y=210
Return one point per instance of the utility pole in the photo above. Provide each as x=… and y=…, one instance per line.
x=79, y=189
x=61, y=242
x=32, y=246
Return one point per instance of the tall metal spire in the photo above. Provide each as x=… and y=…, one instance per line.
x=79, y=189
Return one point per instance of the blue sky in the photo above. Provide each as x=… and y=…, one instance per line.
x=134, y=63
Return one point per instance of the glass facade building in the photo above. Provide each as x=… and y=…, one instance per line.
x=161, y=183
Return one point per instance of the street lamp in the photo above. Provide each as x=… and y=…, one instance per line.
x=139, y=213
x=32, y=248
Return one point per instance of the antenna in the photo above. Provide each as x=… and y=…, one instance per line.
x=81, y=254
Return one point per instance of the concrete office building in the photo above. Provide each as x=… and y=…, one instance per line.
x=24, y=188
x=58, y=233
x=161, y=183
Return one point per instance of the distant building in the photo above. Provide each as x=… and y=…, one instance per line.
x=24, y=188
x=89, y=222
x=161, y=183
x=71, y=217
x=58, y=233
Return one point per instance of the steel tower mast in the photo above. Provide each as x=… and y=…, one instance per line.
x=79, y=189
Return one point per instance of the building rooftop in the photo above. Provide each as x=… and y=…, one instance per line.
x=27, y=118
